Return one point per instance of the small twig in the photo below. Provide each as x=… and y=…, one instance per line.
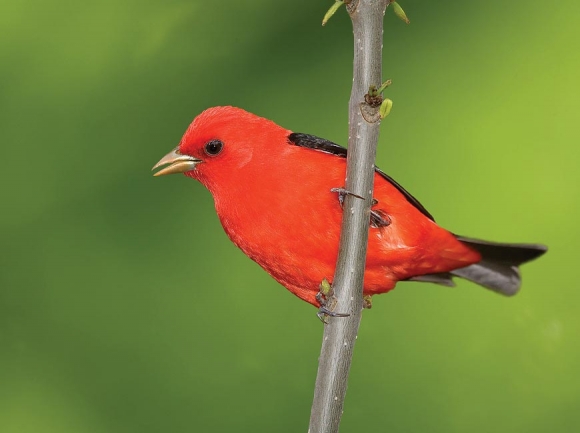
x=340, y=332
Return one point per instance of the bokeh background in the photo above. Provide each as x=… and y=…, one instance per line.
x=124, y=307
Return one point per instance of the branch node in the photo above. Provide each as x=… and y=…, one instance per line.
x=351, y=6
x=369, y=112
x=374, y=99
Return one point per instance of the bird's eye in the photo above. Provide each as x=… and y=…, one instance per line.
x=213, y=147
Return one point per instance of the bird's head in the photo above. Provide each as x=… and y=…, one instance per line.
x=220, y=142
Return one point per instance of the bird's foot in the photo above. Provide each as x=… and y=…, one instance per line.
x=342, y=193
x=380, y=219
x=324, y=313
x=327, y=301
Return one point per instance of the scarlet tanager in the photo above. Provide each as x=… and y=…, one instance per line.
x=273, y=193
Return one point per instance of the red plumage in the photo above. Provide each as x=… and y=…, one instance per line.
x=274, y=201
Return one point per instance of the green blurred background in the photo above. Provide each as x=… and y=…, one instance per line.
x=124, y=307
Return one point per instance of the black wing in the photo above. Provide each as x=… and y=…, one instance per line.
x=322, y=145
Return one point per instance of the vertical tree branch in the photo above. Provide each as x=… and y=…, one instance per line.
x=340, y=333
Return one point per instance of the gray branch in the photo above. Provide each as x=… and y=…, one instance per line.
x=340, y=333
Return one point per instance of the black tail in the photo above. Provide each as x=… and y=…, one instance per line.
x=498, y=269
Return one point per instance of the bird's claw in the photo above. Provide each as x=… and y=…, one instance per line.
x=324, y=312
x=379, y=218
x=342, y=193
x=327, y=301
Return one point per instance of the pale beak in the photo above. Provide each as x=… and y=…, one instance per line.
x=178, y=163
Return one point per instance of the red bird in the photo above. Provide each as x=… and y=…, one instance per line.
x=272, y=190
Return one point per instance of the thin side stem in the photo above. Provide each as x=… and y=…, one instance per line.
x=340, y=333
